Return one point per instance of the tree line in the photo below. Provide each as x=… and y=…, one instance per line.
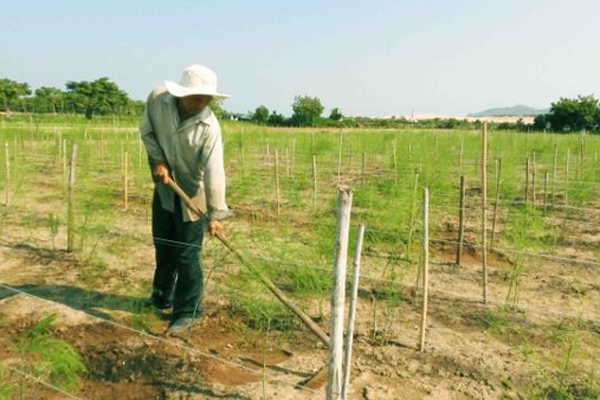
x=88, y=98
x=104, y=97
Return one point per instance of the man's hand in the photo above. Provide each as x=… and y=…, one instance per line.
x=215, y=227
x=161, y=172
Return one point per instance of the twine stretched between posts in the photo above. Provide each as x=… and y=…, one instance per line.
x=316, y=329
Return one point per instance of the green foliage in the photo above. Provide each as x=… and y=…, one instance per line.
x=11, y=93
x=335, y=115
x=574, y=115
x=49, y=358
x=99, y=97
x=261, y=115
x=49, y=100
x=306, y=110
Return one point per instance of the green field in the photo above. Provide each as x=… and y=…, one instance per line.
x=542, y=233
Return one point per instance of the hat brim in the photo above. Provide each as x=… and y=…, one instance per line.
x=181, y=91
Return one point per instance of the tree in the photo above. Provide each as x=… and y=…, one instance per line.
x=573, y=115
x=261, y=115
x=48, y=99
x=276, y=119
x=306, y=110
x=100, y=97
x=11, y=93
x=335, y=115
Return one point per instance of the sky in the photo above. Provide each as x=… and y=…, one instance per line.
x=366, y=58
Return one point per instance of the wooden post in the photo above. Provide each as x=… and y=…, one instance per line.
x=363, y=168
x=352, y=311
x=554, y=170
x=567, y=179
x=412, y=214
x=277, y=191
x=336, y=333
x=64, y=160
x=484, y=155
x=339, y=168
x=7, y=165
x=545, y=191
x=461, y=221
x=496, y=201
x=126, y=179
x=425, y=250
x=314, y=168
x=71, y=211
x=533, y=194
x=527, y=164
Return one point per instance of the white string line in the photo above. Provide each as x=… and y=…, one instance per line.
x=525, y=253
x=41, y=381
x=392, y=235
x=271, y=378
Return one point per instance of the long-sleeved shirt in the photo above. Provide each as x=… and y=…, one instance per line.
x=193, y=150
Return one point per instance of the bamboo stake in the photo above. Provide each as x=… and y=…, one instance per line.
x=533, y=191
x=7, y=165
x=339, y=169
x=527, y=164
x=567, y=179
x=554, y=170
x=316, y=329
x=338, y=295
x=352, y=310
x=425, y=250
x=412, y=214
x=461, y=221
x=484, y=156
x=70, y=210
x=545, y=191
x=314, y=170
x=64, y=160
x=363, y=168
x=126, y=179
x=461, y=155
x=496, y=201
x=277, y=191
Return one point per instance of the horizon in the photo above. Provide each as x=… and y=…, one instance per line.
x=383, y=58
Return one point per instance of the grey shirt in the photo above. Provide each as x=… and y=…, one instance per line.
x=193, y=150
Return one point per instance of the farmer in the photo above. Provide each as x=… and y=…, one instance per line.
x=183, y=140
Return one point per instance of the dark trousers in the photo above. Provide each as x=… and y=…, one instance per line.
x=178, y=246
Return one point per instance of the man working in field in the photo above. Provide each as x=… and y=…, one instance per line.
x=183, y=140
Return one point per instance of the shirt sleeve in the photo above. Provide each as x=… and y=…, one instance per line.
x=148, y=134
x=214, y=175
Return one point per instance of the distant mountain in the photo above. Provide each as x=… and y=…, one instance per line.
x=518, y=110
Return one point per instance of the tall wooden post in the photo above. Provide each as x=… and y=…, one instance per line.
x=352, y=311
x=336, y=335
x=484, y=156
x=71, y=211
x=461, y=221
x=425, y=252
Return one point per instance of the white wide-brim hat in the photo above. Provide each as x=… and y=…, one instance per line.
x=196, y=79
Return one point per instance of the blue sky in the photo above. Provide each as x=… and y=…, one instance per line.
x=378, y=57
